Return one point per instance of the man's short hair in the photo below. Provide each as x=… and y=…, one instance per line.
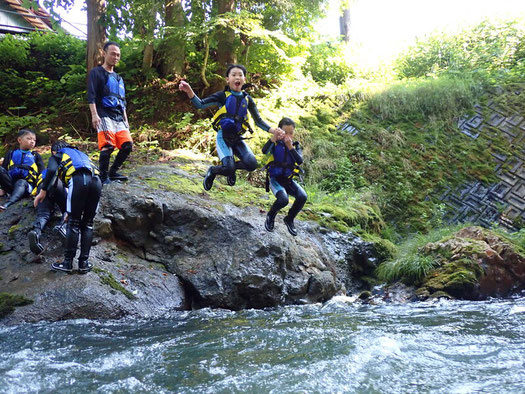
x=107, y=44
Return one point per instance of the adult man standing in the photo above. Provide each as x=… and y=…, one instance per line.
x=107, y=103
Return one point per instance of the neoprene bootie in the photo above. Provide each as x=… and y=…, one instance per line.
x=86, y=238
x=269, y=223
x=34, y=240
x=231, y=179
x=207, y=183
x=290, y=225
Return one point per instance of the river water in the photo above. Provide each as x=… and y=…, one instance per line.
x=338, y=347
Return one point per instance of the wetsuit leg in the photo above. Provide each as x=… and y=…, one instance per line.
x=76, y=202
x=281, y=200
x=103, y=162
x=6, y=183
x=247, y=161
x=86, y=225
x=44, y=210
x=298, y=192
x=226, y=168
x=281, y=197
x=60, y=196
x=20, y=189
x=225, y=153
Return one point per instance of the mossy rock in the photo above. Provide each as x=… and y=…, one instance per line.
x=13, y=229
x=8, y=303
x=108, y=279
x=457, y=278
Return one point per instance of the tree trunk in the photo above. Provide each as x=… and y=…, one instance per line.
x=173, y=46
x=147, y=59
x=344, y=25
x=205, y=64
x=225, y=38
x=96, y=32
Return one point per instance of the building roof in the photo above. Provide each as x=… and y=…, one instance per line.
x=39, y=19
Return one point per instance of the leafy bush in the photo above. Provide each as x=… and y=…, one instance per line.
x=488, y=46
x=327, y=63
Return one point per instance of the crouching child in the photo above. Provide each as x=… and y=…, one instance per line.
x=74, y=169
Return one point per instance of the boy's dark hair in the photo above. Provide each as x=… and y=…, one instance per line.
x=232, y=66
x=57, y=145
x=107, y=44
x=286, y=122
x=23, y=132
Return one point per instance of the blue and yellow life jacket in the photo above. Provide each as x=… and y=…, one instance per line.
x=281, y=164
x=72, y=161
x=232, y=117
x=23, y=166
x=114, y=92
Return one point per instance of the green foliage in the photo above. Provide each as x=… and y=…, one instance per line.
x=14, y=52
x=410, y=265
x=410, y=269
x=327, y=63
x=487, y=47
x=418, y=99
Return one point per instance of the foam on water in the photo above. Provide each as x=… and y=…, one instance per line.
x=336, y=347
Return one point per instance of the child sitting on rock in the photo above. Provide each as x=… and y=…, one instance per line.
x=282, y=167
x=20, y=169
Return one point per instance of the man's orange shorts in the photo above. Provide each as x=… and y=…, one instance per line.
x=112, y=132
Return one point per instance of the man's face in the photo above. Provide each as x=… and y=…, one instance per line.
x=112, y=55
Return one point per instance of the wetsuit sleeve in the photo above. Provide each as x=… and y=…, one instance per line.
x=256, y=116
x=7, y=159
x=218, y=99
x=52, y=168
x=268, y=146
x=93, y=82
x=39, y=162
x=297, y=153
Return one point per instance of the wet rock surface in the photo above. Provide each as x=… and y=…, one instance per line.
x=157, y=251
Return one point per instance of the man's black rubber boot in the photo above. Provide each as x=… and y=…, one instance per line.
x=208, y=180
x=231, y=179
x=34, y=241
x=290, y=225
x=269, y=223
x=65, y=266
x=115, y=176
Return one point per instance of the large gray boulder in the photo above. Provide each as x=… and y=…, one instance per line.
x=158, y=251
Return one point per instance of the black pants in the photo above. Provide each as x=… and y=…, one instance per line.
x=17, y=189
x=83, y=196
x=44, y=210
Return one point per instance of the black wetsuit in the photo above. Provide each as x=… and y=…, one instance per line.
x=227, y=146
x=282, y=186
x=84, y=189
